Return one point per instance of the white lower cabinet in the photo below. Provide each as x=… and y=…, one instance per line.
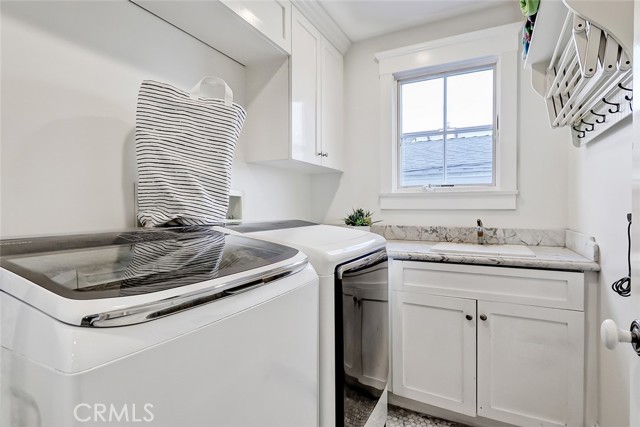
x=483, y=353
x=434, y=350
x=530, y=365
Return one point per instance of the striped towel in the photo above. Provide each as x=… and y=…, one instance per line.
x=184, y=148
x=182, y=258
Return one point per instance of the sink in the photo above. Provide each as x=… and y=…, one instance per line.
x=487, y=250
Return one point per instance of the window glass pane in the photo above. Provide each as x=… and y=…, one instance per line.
x=470, y=99
x=466, y=155
x=422, y=108
x=469, y=158
x=422, y=161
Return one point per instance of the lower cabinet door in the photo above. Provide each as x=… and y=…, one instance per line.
x=434, y=350
x=530, y=365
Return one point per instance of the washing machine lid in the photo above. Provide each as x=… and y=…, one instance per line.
x=109, y=265
x=145, y=261
x=135, y=267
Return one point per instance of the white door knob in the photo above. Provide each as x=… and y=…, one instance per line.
x=611, y=335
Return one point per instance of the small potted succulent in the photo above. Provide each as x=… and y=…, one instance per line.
x=359, y=218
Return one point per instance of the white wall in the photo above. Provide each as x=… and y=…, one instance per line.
x=599, y=199
x=70, y=76
x=542, y=172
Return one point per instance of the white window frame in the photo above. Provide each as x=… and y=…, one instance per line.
x=499, y=45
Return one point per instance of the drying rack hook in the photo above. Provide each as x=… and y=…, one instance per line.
x=602, y=117
x=581, y=133
x=588, y=124
x=627, y=97
x=612, y=103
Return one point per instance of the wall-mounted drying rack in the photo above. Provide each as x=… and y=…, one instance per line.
x=586, y=79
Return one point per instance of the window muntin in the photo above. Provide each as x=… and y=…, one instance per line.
x=460, y=153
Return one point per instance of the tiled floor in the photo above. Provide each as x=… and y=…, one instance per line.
x=398, y=417
x=357, y=407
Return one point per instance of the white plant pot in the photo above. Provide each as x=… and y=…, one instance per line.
x=359, y=227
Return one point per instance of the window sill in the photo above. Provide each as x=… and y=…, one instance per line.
x=456, y=199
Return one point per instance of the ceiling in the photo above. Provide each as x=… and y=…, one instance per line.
x=363, y=19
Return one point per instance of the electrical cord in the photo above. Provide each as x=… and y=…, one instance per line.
x=623, y=286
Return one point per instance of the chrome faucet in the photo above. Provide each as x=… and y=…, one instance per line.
x=480, y=232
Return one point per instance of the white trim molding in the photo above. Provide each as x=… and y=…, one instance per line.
x=441, y=200
x=314, y=12
x=501, y=43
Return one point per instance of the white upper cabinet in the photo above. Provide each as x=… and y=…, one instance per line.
x=316, y=96
x=306, y=88
x=294, y=109
x=294, y=76
x=271, y=17
x=248, y=31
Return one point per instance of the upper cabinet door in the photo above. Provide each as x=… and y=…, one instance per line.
x=271, y=17
x=332, y=110
x=306, y=43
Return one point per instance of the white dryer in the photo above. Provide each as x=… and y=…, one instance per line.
x=354, y=316
x=168, y=327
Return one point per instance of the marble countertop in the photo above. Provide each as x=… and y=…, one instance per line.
x=546, y=257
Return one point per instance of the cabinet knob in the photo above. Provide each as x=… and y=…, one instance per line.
x=483, y=317
x=319, y=154
x=469, y=317
x=325, y=154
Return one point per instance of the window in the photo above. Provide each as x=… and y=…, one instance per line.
x=446, y=129
x=449, y=122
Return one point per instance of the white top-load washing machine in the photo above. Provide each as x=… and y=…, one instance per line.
x=354, y=316
x=176, y=327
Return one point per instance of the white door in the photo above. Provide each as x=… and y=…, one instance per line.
x=434, y=350
x=332, y=96
x=305, y=89
x=530, y=365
